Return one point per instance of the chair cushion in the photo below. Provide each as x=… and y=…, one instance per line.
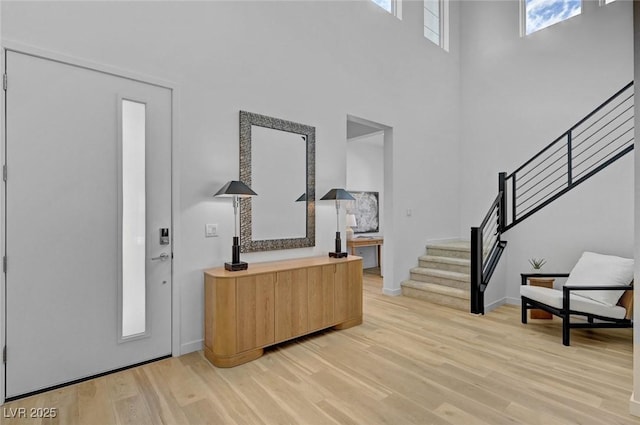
x=553, y=298
x=597, y=269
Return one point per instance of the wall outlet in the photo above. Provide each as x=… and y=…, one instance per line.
x=210, y=230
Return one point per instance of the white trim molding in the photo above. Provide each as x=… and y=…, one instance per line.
x=634, y=405
x=191, y=346
x=392, y=292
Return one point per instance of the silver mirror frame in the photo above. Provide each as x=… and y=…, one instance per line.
x=247, y=244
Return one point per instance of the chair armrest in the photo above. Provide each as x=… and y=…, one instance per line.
x=525, y=276
x=566, y=292
x=596, y=288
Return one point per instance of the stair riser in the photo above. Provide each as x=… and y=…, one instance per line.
x=451, y=283
x=453, y=302
x=441, y=252
x=444, y=266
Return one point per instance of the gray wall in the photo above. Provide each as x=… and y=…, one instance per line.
x=518, y=95
x=308, y=62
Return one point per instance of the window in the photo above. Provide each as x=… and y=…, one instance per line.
x=133, y=212
x=435, y=18
x=392, y=6
x=539, y=14
x=385, y=4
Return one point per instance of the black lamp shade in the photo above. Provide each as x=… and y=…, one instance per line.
x=302, y=198
x=235, y=188
x=339, y=194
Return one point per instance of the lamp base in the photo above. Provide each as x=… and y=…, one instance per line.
x=234, y=267
x=338, y=254
x=349, y=233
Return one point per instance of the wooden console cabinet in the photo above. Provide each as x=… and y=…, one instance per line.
x=248, y=310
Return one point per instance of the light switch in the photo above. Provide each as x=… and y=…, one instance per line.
x=210, y=230
x=409, y=212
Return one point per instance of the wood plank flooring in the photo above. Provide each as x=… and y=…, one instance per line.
x=410, y=362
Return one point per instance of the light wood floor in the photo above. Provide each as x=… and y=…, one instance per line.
x=410, y=362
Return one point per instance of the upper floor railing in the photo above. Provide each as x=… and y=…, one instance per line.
x=600, y=138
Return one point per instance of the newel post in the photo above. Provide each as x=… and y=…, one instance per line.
x=502, y=208
x=476, y=296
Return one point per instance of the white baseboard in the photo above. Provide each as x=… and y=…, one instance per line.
x=494, y=305
x=634, y=405
x=512, y=301
x=392, y=292
x=502, y=301
x=190, y=347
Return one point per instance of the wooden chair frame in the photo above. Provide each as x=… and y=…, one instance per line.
x=565, y=312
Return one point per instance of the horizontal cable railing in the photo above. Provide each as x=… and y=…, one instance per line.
x=602, y=137
x=599, y=139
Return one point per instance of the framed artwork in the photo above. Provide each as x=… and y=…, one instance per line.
x=367, y=211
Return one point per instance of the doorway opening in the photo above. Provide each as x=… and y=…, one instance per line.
x=370, y=180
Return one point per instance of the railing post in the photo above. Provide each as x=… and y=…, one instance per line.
x=477, y=300
x=502, y=208
x=569, y=160
x=513, y=198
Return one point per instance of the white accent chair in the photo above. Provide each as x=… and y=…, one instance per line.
x=600, y=288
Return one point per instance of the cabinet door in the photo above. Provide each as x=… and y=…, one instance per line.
x=255, y=311
x=354, y=305
x=348, y=291
x=321, y=297
x=341, y=292
x=220, y=316
x=291, y=304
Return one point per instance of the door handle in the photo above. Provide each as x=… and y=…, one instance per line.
x=162, y=257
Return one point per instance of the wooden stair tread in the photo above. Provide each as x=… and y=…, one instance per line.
x=436, y=288
x=445, y=260
x=463, y=277
x=452, y=246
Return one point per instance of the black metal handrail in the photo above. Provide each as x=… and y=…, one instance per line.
x=486, y=249
x=596, y=141
x=600, y=138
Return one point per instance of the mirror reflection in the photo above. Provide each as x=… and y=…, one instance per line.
x=278, y=174
x=277, y=160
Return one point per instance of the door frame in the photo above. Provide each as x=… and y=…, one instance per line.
x=388, y=260
x=9, y=45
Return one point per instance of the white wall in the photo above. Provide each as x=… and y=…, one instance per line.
x=521, y=93
x=365, y=172
x=307, y=62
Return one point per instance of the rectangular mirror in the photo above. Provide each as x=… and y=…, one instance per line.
x=277, y=160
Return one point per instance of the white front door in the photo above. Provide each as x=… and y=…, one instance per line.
x=88, y=189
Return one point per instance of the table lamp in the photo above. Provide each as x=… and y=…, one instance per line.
x=338, y=195
x=236, y=190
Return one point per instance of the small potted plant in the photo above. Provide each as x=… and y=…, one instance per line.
x=537, y=263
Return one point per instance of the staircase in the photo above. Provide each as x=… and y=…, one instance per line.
x=442, y=276
x=457, y=274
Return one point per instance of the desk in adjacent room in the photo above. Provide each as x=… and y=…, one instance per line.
x=354, y=243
